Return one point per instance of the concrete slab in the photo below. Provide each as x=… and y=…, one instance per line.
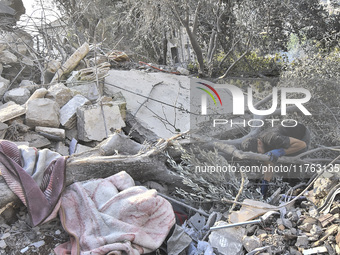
x=165, y=91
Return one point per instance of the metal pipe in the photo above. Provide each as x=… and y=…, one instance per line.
x=237, y=224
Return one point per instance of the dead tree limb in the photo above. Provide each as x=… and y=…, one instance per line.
x=147, y=166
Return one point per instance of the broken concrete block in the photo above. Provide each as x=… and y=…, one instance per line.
x=227, y=241
x=36, y=140
x=71, y=133
x=62, y=149
x=51, y=133
x=30, y=85
x=95, y=122
x=7, y=57
x=250, y=243
x=3, y=86
x=10, y=111
x=82, y=148
x=42, y=112
x=3, y=129
x=59, y=93
x=119, y=143
x=316, y=250
x=88, y=90
x=68, y=116
x=18, y=95
x=39, y=93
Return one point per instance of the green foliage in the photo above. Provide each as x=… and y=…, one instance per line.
x=254, y=65
x=319, y=73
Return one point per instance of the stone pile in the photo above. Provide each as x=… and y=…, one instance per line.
x=52, y=117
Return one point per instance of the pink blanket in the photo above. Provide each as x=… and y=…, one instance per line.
x=112, y=216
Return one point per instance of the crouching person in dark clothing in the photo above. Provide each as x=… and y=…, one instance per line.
x=276, y=142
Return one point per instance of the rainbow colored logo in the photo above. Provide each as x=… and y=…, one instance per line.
x=209, y=93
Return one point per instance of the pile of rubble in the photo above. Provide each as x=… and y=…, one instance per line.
x=47, y=118
x=75, y=116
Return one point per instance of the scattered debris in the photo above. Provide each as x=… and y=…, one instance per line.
x=104, y=121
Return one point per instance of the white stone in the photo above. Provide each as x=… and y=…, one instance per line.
x=36, y=140
x=89, y=90
x=5, y=235
x=3, y=86
x=8, y=57
x=39, y=93
x=18, y=95
x=60, y=93
x=30, y=85
x=92, y=125
x=82, y=148
x=38, y=244
x=250, y=243
x=68, y=113
x=58, y=132
x=24, y=249
x=25, y=83
x=3, y=244
x=302, y=241
x=10, y=111
x=62, y=149
x=42, y=112
x=227, y=241
x=27, y=61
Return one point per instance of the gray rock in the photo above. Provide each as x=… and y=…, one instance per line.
x=3, y=129
x=62, y=149
x=3, y=244
x=68, y=116
x=60, y=93
x=36, y=140
x=316, y=230
x=30, y=85
x=51, y=133
x=3, y=86
x=302, y=241
x=18, y=95
x=71, y=133
x=227, y=241
x=95, y=122
x=11, y=111
x=8, y=57
x=250, y=243
x=42, y=112
x=82, y=148
x=89, y=90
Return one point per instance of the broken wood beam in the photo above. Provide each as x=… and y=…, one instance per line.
x=144, y=167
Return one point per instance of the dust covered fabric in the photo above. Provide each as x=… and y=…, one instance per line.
x=36, y=177
x=112, y=216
